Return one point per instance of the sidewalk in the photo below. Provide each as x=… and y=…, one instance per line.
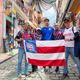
x=6, y=56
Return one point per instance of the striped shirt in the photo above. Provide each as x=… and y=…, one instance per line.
x=57, y=35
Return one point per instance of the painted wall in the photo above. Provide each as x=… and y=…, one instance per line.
x=1, y=27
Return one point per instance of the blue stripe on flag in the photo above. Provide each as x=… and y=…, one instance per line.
x=30, y=46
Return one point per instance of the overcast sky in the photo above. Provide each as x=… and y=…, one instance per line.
x=51, y=14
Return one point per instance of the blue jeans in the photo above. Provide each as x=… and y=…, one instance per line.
x=78, y=63
x=68, y=51
x=22, y=53
x=77, y=49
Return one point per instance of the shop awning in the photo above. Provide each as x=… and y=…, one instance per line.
x=75, y=7
x=49, y=1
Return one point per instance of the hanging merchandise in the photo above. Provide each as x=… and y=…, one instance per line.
x=45, y=5
x=49, y=1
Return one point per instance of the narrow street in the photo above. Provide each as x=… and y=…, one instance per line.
x=8, y=71
x=48, y=31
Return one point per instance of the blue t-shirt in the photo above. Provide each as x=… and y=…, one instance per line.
x=47, y=33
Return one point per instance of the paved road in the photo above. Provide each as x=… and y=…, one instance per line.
x=8, y=71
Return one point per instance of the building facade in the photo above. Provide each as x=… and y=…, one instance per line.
x=61, y=7
x=13, y=13
x=1, y=25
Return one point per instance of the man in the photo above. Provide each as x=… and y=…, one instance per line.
x=38, y=34
x=32, y=35
x=57, y=35
x=46, y=32
x=19, y=38
x=69, y=44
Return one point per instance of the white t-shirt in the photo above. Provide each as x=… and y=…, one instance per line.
x=68, y=34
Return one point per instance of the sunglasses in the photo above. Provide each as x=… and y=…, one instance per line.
x=66, y=21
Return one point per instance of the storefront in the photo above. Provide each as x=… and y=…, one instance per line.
x=8, y=38
x=7, y=23
x=75, y=10
x=8, y=27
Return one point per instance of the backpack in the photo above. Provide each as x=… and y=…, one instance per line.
x=76, y=35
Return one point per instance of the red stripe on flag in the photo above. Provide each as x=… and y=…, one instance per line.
x=47, y=62
x=50, y=49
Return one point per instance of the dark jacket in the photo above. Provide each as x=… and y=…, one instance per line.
x=77, y=44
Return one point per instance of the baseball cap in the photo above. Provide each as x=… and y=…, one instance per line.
x=56, y=24
x=38, y=28
x=45, y=19
x=67, y=19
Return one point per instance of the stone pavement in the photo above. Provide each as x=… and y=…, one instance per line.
x=8, y=71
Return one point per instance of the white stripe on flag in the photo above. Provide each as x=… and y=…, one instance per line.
x=49, y=56
x=50, y=43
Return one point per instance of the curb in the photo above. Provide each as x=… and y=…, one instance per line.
x=10, y=55
x=7, y=59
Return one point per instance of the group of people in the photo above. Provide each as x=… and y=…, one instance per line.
x=70, y=34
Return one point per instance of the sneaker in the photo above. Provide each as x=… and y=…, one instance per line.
x=45, y=70
x=79, y=76
x=65, y=76
x=57, y=69
x=50, y=70
x=19, y=77
x=26, y=75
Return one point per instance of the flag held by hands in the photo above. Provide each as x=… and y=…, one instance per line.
x=45, y=53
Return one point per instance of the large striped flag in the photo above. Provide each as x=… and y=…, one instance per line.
x=45, y=53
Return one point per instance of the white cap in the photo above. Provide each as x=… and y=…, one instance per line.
x=38, y=28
